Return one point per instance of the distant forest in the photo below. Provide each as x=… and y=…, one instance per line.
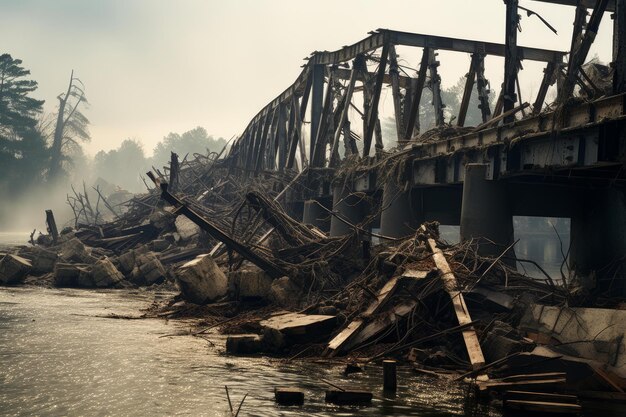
x=42, y=154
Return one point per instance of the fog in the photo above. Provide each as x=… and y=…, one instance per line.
x=187, y=76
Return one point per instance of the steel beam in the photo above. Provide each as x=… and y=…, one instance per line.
x=417, y=96
x=372, y=116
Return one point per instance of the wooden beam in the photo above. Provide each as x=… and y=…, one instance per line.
x=467, y=91
x=372, y=116
x=435, y=86
x=347, y=99
x=395, y=91
x=482, y=86
x=413, y=123
x=549, y=77
x=451, y=286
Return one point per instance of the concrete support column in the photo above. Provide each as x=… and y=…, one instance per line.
x=350, y=207
x=486, y=212
x=398, y=218
x=316, y=215
x=598, y=239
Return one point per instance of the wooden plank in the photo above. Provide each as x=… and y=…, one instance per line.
x=353, y=330
x=543, y=407
x=540, y=396
x=470, y=337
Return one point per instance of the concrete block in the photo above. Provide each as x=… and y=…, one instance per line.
x=105, y=274
x=127, y=262
x=250, y=282
x=13, y=269
x=72, y=275
x=44, y=260
x=592, y=333
x=201, y=280
x=186, y=228
x=284, y=292
x=289, y=396
x=75, y=251
x=243, y=344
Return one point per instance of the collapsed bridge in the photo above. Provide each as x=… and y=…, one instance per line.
x=562, y=160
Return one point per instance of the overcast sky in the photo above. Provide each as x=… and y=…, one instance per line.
x=151, y=67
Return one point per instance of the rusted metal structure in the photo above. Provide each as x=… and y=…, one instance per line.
x=566, y=161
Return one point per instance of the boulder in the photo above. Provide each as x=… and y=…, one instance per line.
x=13, y=269
x=72, y=275
x=149, y=268
x=105, y=274
x=75, y=251
x=201, y=280
x=284, y=292
x=126, y=262
x=159, y=245
x=243, y=344
x=186, y=228
x=43, y=260
x=250, y=282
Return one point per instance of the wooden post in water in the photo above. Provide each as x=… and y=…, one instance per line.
x=390, y=382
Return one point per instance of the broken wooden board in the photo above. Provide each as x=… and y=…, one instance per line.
x=470, y=337
x=301, y=327
x=542, y=407
x=344, y=339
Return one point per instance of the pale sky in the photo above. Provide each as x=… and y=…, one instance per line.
x=151, y=67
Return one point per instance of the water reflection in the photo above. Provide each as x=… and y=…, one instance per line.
x=57, y=359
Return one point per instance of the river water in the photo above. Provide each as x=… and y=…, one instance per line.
x=58, y=358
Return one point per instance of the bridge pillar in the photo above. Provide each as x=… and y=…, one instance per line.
x=598, y=239
x=398, y=218
x=350, y=207
x=316, y=215
x=486, y=212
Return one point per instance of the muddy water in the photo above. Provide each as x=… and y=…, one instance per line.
x=57, y=358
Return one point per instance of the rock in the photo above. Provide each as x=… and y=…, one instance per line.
x=289, y=396
x=75, y=251
x=161, y=219
x=105, y=274
x=243, y=344
x=284, y=292
x=273, y=340
x=72, y=275
x=159, y=245
x=44, y=260
x=127, y=262
x=250, y=282
x=201, y=280
x=13, y=269
x=186, y=228
x=150, y=268
x=301, y=328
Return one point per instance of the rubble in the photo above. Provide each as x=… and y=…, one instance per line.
x=201, y=280
x=279, y=287
x=13, y=269
x=105, y=274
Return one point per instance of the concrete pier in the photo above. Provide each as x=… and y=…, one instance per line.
x=316, y=215
x=598, y=242
x=399, y=217
x=486, y=212
x=351, y=207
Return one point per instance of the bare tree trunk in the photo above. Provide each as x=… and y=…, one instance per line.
x=56, y=151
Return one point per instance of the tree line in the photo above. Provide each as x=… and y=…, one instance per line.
x=43, y=152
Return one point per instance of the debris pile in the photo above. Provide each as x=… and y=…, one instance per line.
x=276, y=286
